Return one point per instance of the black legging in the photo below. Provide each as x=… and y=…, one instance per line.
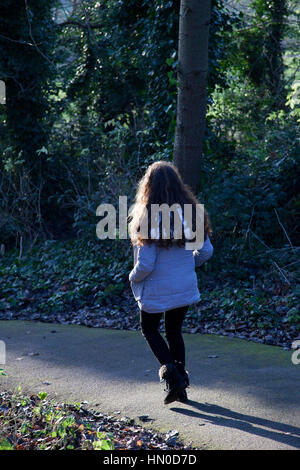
x=173, y=324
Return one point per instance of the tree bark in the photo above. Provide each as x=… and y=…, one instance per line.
x=192, y=77
x=274, y=54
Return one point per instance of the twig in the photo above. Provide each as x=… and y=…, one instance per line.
x=284, y=230
x=79, y=24
x=16, y=40
x=248, y=228
x=281, y=272
x=31, y=36
x=21, y=247
x=246, y=235
x=290, y=264
x=263, y=243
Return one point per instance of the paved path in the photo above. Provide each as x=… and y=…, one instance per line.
x=246, y=398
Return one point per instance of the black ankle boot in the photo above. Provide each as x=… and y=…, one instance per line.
x=183, y=398
x=183, y=395
x=174, y=381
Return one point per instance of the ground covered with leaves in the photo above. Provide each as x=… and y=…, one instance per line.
x=36, y=423
x=83, y=282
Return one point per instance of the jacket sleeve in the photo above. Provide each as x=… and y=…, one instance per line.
x=145, y=257
x=202, y=255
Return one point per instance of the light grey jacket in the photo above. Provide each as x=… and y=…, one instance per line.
x=165, y=278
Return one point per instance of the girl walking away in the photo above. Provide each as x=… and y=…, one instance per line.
x=163, y=279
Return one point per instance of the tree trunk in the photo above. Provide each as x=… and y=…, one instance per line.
x=192, y=76
x=274, y=54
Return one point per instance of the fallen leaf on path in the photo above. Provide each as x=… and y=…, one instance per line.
x=145, y=418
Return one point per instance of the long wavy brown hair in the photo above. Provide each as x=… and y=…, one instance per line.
x=161, y=184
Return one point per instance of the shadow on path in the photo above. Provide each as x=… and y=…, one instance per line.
x=221, y=416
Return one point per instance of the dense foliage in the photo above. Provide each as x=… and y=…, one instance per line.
x=97, y=105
